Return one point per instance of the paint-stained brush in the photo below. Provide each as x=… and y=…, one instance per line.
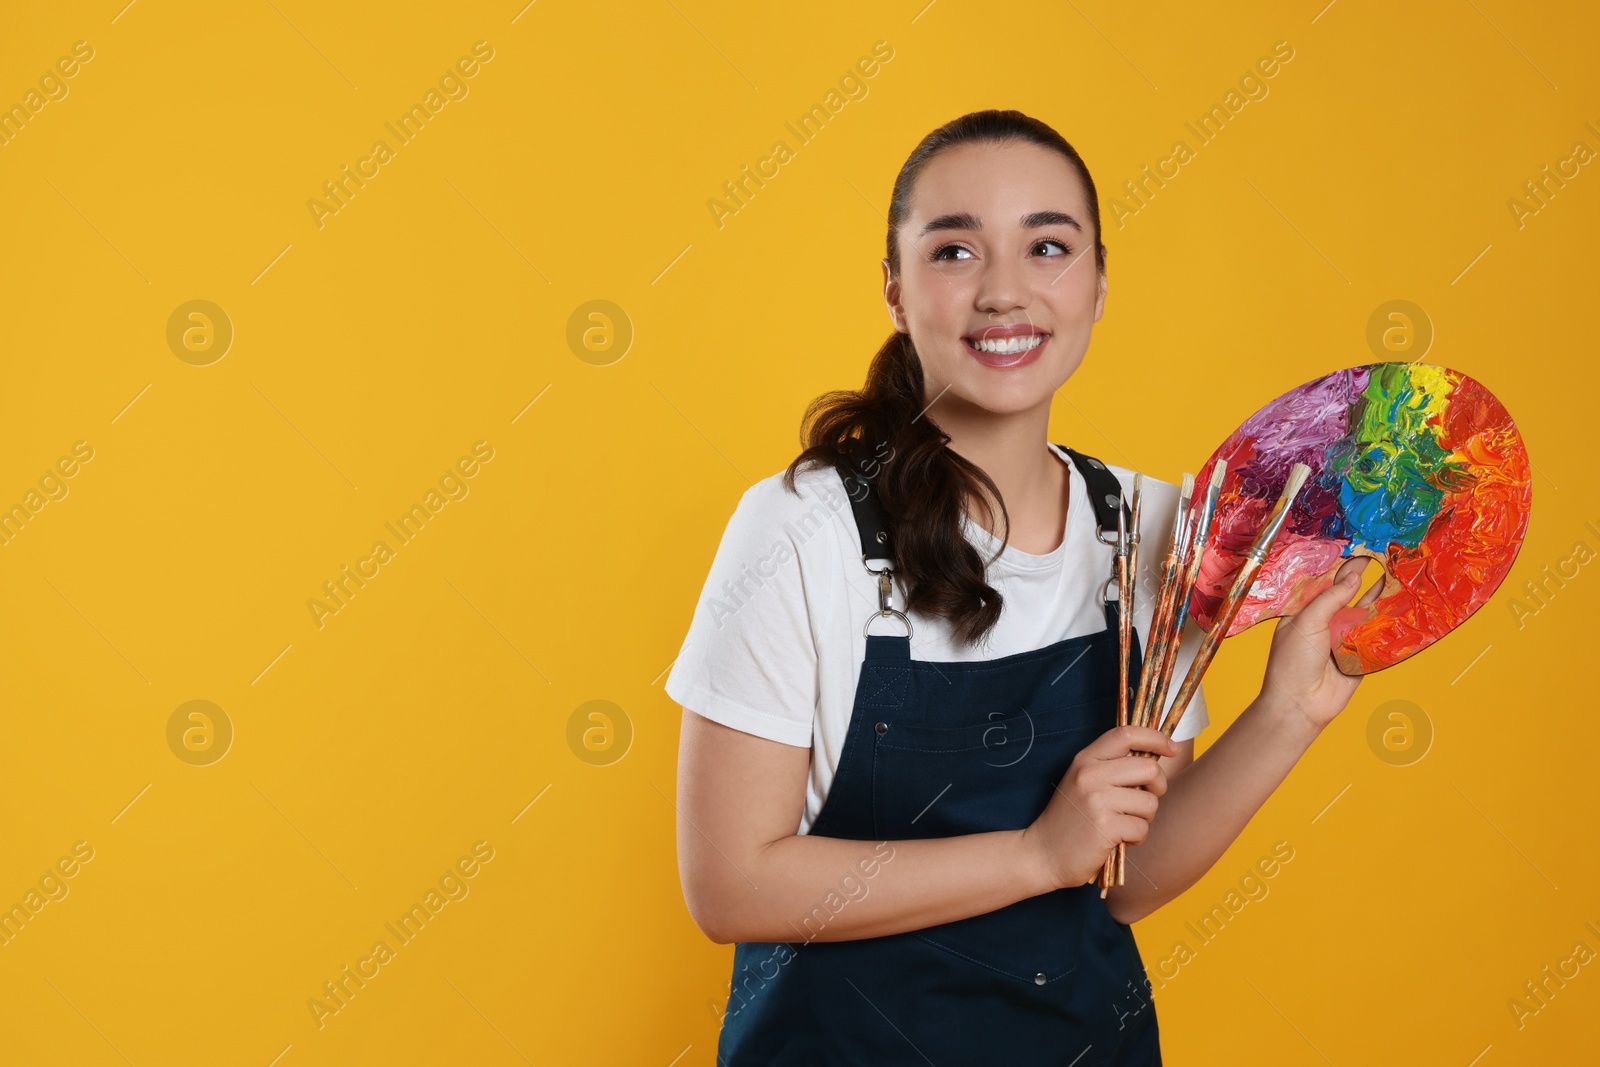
x=1173, y=635
x=1125, y=610
x=1126, y=562
x=1236, y=595
x=1170, y=571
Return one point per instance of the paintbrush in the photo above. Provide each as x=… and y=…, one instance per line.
x=1173, y=634
x=1126, y=610
x=1127, y=567
x=1236, y=596
x=1124, y=618
x=1108, y=870
x=1169, y=577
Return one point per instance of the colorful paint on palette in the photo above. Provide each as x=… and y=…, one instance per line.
x=1415, y=465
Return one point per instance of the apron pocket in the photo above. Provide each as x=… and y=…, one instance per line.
x=994, y=775
x=1037, y=940
x=997, y=774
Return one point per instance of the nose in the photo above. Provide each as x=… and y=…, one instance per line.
x=1002, y=287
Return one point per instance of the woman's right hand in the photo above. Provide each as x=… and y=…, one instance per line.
x=1107, y=795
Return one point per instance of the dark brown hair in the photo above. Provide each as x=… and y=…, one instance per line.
x=922, y=485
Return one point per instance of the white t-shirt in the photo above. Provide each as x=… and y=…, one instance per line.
x=776, y=644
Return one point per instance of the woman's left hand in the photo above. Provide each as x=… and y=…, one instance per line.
x=1301, y=675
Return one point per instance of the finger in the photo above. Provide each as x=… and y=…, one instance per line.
x=1136, y=772
x=1121, y=740
x=1149, y=779
x=1372, y=594
x=1315, y=616
x=1131, y=829
x=1139, y=803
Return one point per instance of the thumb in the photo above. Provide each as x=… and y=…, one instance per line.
x=1318, y=614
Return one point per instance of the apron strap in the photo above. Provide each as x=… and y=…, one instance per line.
x=1105, y=493
x=858, y=467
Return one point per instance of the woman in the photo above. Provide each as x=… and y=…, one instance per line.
x=903, y=846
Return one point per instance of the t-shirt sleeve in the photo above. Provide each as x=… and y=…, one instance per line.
x=749, y=660
x=1157, y=511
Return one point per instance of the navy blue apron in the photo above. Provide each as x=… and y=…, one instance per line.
x=936, y=749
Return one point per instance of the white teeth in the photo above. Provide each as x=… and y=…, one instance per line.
x=1010, y=346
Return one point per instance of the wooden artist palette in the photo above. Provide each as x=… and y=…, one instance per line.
x=1417, y=466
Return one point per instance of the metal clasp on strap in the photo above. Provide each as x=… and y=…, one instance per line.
x=1115, y=540
x=1123, y=543
x=885, y=588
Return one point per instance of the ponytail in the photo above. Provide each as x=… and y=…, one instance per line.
x=922, y=486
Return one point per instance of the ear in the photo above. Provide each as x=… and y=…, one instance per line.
x=891, y=297
x=1100, y=298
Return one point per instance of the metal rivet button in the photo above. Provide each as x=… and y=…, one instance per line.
x=1097, y=465
x=882, y=728
x=882, y=537
x=1114, y=501
x=1040, y=979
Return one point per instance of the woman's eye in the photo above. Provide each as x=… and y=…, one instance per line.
x=939, y=254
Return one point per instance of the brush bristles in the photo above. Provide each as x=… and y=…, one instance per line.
x=1188, y=485
x=1219, y=472
x=1297, y=478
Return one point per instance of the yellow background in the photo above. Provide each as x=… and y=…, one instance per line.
x=428, y=314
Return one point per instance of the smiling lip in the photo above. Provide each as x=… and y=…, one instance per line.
x=1001, y=361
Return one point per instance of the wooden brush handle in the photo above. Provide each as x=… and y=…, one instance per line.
x=1208, y=648
x=1153, y=648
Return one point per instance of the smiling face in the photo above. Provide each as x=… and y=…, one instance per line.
x=998, y=285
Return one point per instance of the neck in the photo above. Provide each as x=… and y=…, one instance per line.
x=1012, y=450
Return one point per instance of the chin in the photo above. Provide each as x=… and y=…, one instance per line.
x=1012, y=400
x=1008, y=392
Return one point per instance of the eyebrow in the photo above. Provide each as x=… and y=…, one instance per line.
x=965, y=220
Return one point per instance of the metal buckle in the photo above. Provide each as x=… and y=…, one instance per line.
x=1099, y=534
x=885, y=588
x=1121, y=545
